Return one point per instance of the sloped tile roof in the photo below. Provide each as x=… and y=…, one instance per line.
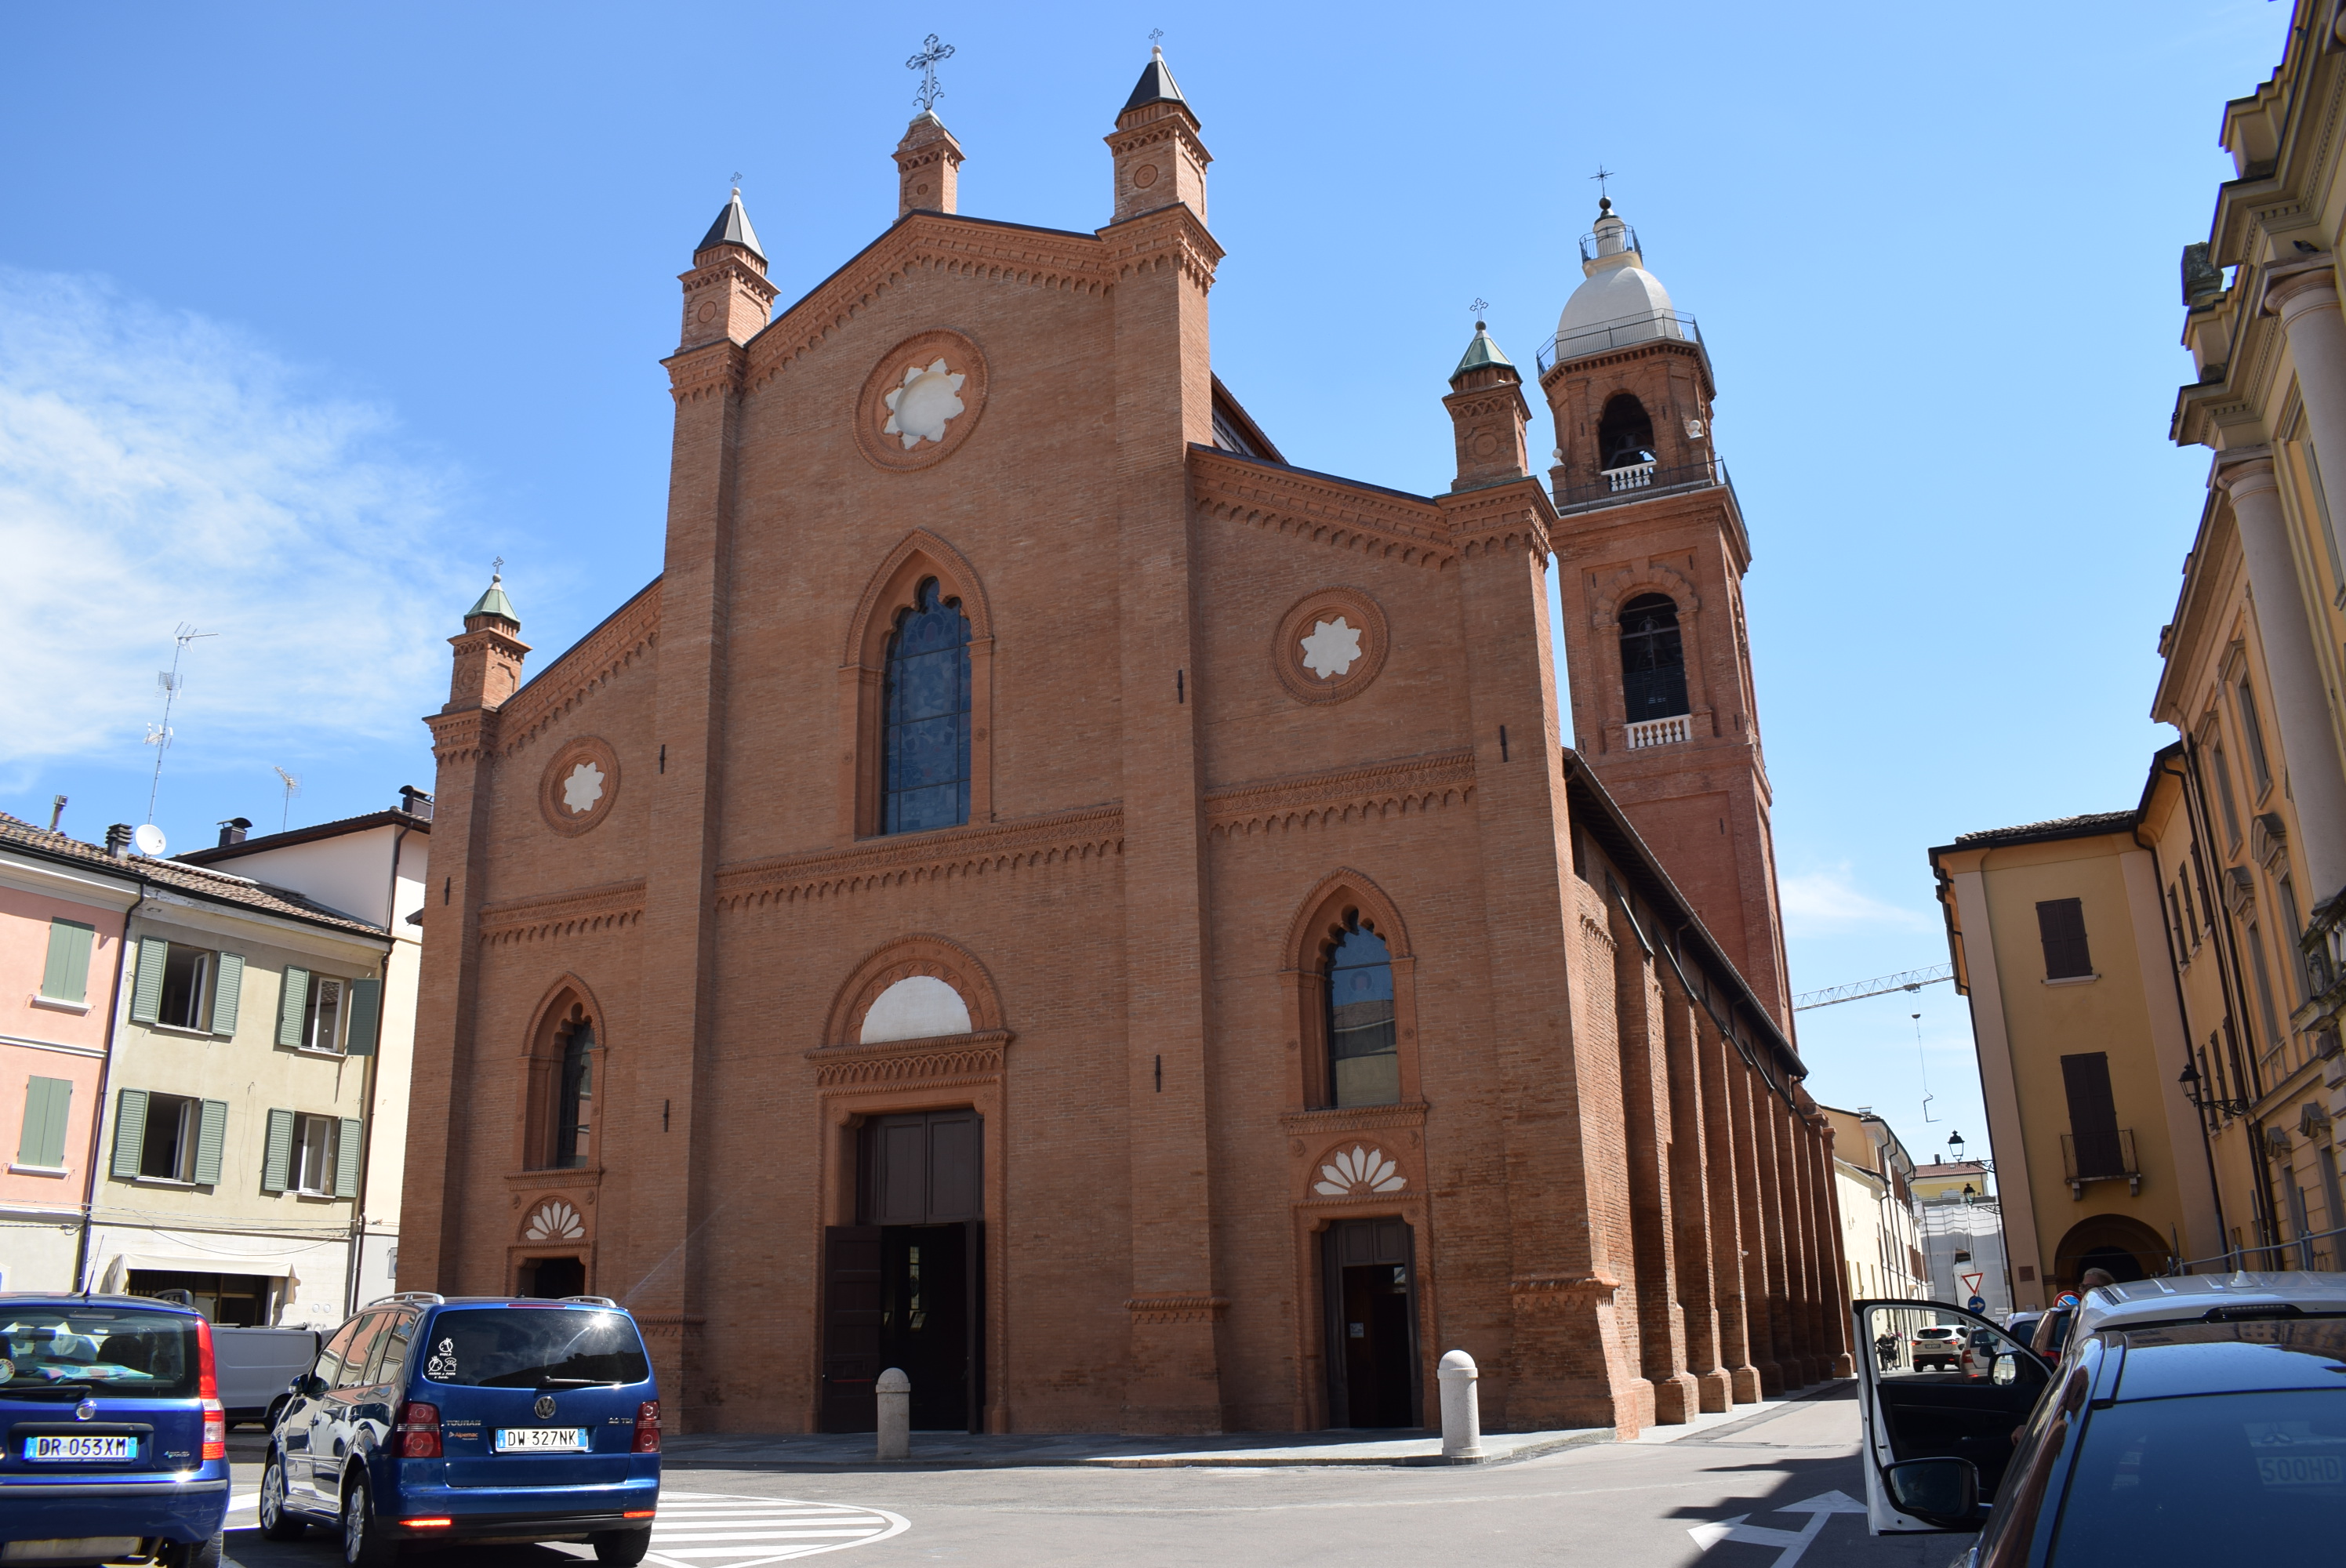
x=2058, y=827
x=215, y=887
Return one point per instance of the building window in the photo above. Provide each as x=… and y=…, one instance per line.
x=925, y=751
x=322, y=1016
x=2293, y=927
x=2096, y=1147
x=168, y=1150
x=1653, y=659
x=1625, y=436
x=2178, y=913
x=2223, y=771
x=2252, y=732
x=573, y=1100
x=317, y=1151
x=2274, y=1035
x=2061, y=925
x=1363, y=1054
x=186, y=988
x=41, y=1141
x=64, y=977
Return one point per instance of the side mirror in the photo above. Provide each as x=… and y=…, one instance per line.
x=2008, y=1370
x=1941, y=1491
x=308, y=1385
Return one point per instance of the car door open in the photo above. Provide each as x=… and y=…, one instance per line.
x=1927, y=1415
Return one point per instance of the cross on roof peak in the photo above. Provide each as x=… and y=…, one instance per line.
x=1478, y=307
x=1155, y=42
x=925, y=62
x=1600, y=177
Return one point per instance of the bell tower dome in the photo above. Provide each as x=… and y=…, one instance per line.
x=1653, y=552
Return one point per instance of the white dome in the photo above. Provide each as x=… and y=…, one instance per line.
x=917, y=1007
x=1624, y=295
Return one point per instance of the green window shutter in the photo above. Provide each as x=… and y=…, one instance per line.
x=43, y=1140
x=146, y=993
x=226, y=991
x=209, y=1141
x=277, y=1161
x=366, y=1015
x=129, y=1127
x=66, y=977
x=346, y=1160
x=291, y=1004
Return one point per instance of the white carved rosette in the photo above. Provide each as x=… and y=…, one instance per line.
x=554, y=1220
x=921, y=401
x=1358, y=1172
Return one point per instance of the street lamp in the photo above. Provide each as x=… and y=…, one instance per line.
x=2205, y=1102
x=1955, y=1148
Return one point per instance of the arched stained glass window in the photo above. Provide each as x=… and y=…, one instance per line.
x=924, y=755
x=1363, y=1055
x=1653, y=661
x=573, y=1100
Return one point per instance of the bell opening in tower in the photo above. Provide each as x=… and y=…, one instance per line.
x=1653, y=659
x=1625, y=436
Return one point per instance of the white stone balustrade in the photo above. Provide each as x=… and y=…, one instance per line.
x=1633, y=476
x=1667, y=731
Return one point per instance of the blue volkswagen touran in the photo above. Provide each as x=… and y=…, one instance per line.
x=117, y=1444
x=474, y=1419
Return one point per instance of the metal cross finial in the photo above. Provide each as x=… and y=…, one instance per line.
x=497, y=567
x=1600, y=177
x=925, y=62
x=736, y=182
x=1478, y=307
x=1154, y=35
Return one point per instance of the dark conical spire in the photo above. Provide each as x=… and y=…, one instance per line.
x=1156, y=86
x=732, y=227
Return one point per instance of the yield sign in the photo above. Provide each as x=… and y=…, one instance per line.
x=1793, y=1543
x=1971, y=1283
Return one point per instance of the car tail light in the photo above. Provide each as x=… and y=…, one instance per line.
x=208, y=1390
x=639, y=1513
x=648, y=1427
x=427, y=1524
x=419, y=1433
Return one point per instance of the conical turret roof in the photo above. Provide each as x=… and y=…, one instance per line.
x=1480, y=353
x=494, y=602
x=1156, y=86
x=732, y=227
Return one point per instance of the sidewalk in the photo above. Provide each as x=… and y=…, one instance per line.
x=1009, y=1450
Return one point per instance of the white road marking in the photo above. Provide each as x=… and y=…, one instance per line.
x=726, y=1530
x=1794, y=1544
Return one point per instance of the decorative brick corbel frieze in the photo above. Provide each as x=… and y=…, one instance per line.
x=1178, y=1309
x=611, y=907
x=1409, y=1115
x=1314, y=507
x=1170, y=236
x=717, y=367
x=1516, y=515
x=938, y=1061
x=1540, y=1292
x=1316, y=800
x=629, y=634
x=465, y=736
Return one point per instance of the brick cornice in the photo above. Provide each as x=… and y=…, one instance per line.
x=732, y=263
x=1645, y=349
x=1169, y=236
x=590, y=663
x=950, y=1058
x=1061, y=837
x=607, y=908
x=1353, y=1119
x=1197, y=1308
x=1319, y=508
x=465, y=736
x=1515, y=515
x=717, y=367
x=1343, y=794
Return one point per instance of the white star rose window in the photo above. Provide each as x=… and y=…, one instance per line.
x=1332, y=648
x=583, y=789
x=925, y=402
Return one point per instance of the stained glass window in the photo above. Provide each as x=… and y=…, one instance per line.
x=1653, y=661
x=1363, y=1057
x=574, y=1110
x=924, y=757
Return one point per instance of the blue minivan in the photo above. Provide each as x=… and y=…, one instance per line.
x=475, y=1418
x=117, y=1444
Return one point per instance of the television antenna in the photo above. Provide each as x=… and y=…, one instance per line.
x=158, y=736
x=293, y=788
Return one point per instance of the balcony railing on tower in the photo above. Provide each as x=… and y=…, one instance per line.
x=1625, y=332
x=1677, y=727
x=1637, y=481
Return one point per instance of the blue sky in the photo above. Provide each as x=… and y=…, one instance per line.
x=306, y=312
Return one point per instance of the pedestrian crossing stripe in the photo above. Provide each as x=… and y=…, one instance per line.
x=722, y=1529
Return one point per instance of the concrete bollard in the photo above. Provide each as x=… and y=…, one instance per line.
x=895, y=1394
x=1462, y=1414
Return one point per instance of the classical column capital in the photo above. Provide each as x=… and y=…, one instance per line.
x=2243, y=471
x=2294, y=287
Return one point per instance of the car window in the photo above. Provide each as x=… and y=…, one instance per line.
x=391, y=1349
x=2186, y=1480
x=70, y=1349
x=330, y=1360
x=531, y=1347
x=362, y=1348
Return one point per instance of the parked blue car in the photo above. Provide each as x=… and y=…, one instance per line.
x=474, y=1419
x=117, y=1444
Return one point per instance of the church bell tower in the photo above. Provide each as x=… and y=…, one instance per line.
x=1653, y=554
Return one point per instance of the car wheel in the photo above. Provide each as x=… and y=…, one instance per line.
x=364, y=1545
x=194, y=1553
x=622, y=1548
x=278, y=1522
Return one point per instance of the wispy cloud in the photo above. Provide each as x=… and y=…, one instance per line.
x=156, y=468
x=1818, y=902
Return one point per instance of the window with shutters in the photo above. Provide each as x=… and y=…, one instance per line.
x=168, y=1151
x=322, y=1015
x=2275, y=1036
x=316, y=1143
x=41, y=1139
x=2222, y=769
x=2252, y=734
x=168, y=1137
x=2099, y=1147
x=186, y=988
x=64, y=976
x=325, y=1013
x=311, y=1156
x=2061, y=926
x=181, y=987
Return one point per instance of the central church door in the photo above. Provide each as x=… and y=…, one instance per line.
x=1374, y=1376
x=904, y=1288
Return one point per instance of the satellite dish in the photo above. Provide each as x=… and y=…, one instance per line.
x=149, y=839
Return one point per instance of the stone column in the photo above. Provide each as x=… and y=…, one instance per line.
x=1800, y=1292
x=1762, y=1256
x=1726, y=1160
x=2304, y=295
x=1692, y=1173
x=1646, y=1101
x=2301, y=705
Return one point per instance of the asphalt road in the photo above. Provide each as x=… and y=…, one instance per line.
x=1731, y=1497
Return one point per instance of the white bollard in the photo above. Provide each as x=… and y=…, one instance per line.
x=894, y=1393
x=1462, y=1414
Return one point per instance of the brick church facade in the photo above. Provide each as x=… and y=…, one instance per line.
x=1044, y=893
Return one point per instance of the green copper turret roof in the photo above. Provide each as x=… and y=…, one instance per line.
x=1480, y=353
x=494, y=602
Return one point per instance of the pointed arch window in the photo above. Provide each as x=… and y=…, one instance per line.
x=574, y=1098
x=1363, y=1047
x=1653, y=659
x=1625, y=433
x=924, y=772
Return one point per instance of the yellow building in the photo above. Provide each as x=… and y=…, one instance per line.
x=1872, y=1179
x=2058, y=942
x=1951, y=1180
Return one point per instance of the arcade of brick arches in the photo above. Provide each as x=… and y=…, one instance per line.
x=1044, y=893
